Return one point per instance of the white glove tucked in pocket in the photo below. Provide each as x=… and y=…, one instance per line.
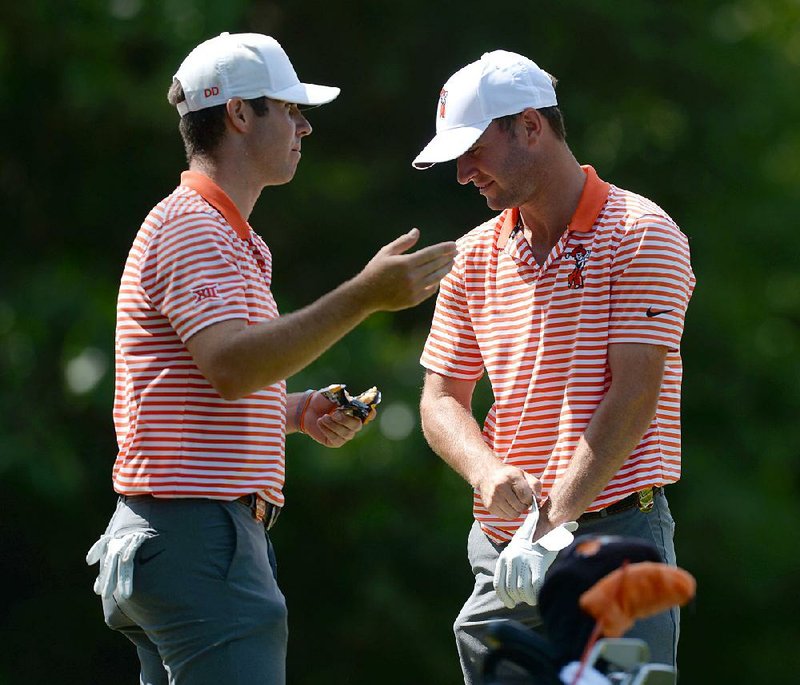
x=520, y=570
x=115, y=554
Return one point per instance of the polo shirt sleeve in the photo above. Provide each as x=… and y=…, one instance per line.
x=451, y=348
x=191, y=274
x=651, y=283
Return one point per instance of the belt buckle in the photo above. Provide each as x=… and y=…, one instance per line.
x=260, y=510
x=646, y=500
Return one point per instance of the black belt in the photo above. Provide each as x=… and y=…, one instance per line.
x=262, y=510
x=644, y=500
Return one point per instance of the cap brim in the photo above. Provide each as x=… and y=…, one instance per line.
x=307, y=94
x=449, y=144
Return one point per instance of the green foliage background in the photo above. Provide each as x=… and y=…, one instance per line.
x=694, y=104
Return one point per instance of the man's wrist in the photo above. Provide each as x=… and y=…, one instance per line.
x=543, y=525
x=359, y=290
x=300, y=409
x=483, y=465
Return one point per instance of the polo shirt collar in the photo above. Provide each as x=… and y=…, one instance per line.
x=593, y=198
x=218, y=199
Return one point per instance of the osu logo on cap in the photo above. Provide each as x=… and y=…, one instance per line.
x=211, y=92
x=442, y=102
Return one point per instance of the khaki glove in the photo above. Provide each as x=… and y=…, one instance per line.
x=115, y=555
x=520, y=570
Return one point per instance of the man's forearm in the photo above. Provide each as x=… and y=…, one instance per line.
x=239, y=359
x=453, y=433
x=270, y=351
x=616, y=428
x=600, y=453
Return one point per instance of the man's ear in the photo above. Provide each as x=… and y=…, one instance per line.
x=238, y=114
x=532, y=122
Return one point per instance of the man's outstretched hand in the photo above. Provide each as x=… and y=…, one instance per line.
x=397, y=279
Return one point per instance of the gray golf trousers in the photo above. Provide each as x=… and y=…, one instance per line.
x=660, y=632
x=206, y=608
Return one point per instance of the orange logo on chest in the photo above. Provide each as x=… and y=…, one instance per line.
x=581, y=255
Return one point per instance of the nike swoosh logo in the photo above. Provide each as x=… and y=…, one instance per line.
x=650, y=313
x=143, y=559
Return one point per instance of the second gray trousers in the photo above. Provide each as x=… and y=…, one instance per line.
x=660, y=632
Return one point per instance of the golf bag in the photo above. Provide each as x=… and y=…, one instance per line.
x=569, y=652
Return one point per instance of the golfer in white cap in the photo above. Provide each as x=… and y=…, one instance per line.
x=572, y=301
x=187, y=570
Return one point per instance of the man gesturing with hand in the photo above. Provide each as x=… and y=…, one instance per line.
x=572, y=301
x=187, y=569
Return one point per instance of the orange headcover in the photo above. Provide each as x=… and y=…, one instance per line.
x=636, y=591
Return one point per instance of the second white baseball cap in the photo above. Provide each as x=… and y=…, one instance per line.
x=498, y=84
x=245, y=65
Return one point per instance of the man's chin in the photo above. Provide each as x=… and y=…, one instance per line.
x=496, y=204
x=282, y=181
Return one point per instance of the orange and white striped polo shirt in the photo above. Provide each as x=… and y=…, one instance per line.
x=619, y=274
x=195, y=262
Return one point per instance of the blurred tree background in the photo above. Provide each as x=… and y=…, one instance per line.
x=693, y=104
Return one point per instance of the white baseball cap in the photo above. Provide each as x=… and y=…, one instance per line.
x=498, y=84
x=245, y=65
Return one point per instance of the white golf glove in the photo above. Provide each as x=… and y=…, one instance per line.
x=589, y=676
x=115, y=555
x=520, y=570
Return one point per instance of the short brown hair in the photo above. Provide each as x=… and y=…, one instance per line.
x=552, y=114
x=202, y=131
